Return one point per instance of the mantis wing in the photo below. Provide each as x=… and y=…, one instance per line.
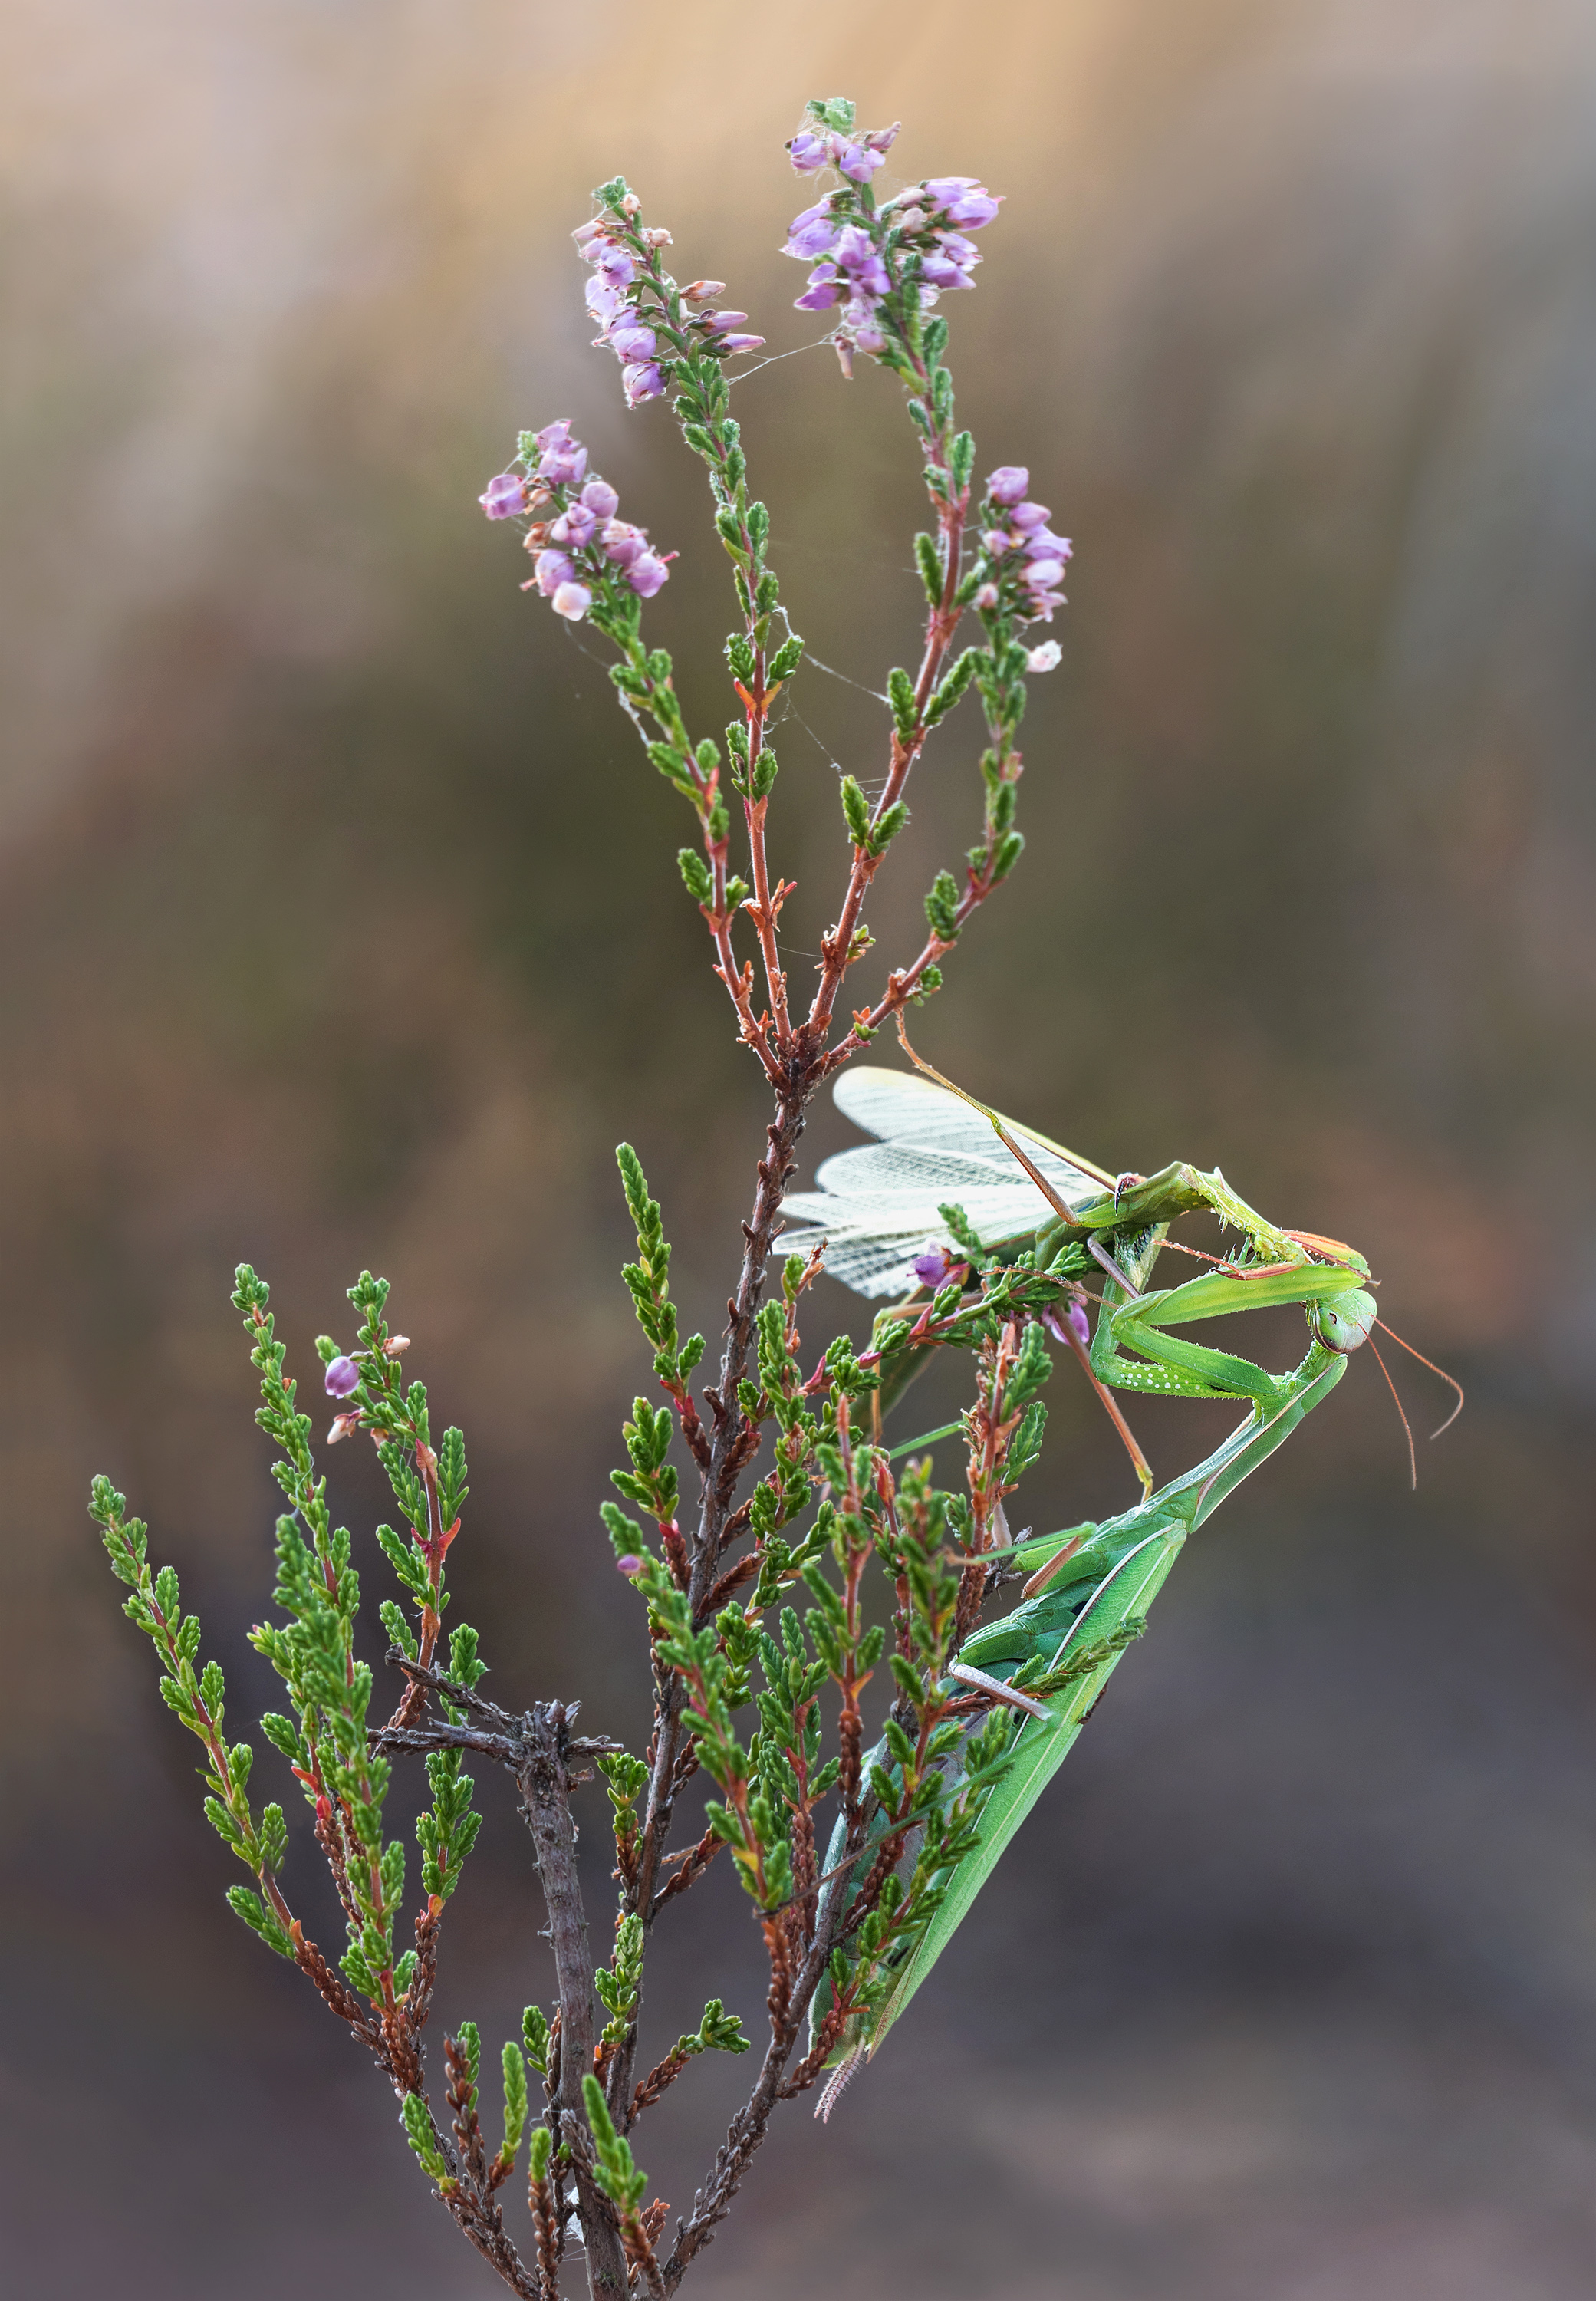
x=878, y=1205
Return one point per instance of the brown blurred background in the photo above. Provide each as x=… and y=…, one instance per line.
x=339, y=927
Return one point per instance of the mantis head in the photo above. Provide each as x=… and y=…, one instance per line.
x=1345, y=1321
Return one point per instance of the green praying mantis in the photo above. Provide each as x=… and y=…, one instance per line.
x=1022, y=1195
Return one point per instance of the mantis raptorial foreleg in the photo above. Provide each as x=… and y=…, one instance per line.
x=1061, y=1649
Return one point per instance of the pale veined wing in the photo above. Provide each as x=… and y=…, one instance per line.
x=878, y=1206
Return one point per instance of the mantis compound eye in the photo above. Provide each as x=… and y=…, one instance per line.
x=1345, y=1322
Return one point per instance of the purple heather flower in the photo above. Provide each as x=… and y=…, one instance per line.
x=998, y=541
x=647, y=574
x=574, y=527
x=855, y=254
x=963, y=200
x=986, y=596
x=814, y=232
x=621, y=542
x=342, y=1377
x=823, y=290
x=642, y=382
x=551, y=569
x=882, y=139
x=858, y=161
x=940, y=272
x=933, y=1266
x=600, y=499
x=1076, y=1315
x=1046, y=657
x=504, y=498
x=962, y=250
x=1007, y=483
x=633, y=345
x=554, y=435
x=1041, y=574
x=1041, y=543
x=631, y=1565
x=717, y=321
x=808, y=152
x=1027, y=516
x=615, y=265
x=602, y=300
x=560, y=467
x=573, y=601
x=739, y=343
x=870, y=339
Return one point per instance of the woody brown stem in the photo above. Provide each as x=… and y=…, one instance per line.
x=546, y=1802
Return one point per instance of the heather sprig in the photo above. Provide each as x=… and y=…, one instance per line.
x=807, y=1605
x=196, y=1697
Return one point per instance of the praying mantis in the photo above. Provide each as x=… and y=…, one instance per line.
x=1022, y=1195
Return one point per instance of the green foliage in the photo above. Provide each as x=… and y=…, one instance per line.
x=622, y=2179
x=419, y=2132
x=535, y=2038
x=905, y=714
x=447, y=1831
x=198, y=1700
x=856, y=812
x=786, y=660
x=718, y=2032
x=626, y=1778
x=648, y=1279
x=513, y=2064
x=620, y=1986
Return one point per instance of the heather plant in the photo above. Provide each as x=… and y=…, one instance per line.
x=817, y=1628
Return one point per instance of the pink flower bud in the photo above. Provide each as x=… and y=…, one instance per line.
x=623, y=542
x=573, y=601
x=574, y=527
x=934, y=1266
x=642, y=381
x=1075, y=1314
x=631, y=1565
x=600, y=499
x=504, y=497
x=342, y=1377
x=1046, y=657
x=647, y=574
x=633, y=342
x=1007, y=483
x=702, y=291
x=858, y=164
x=551, y=569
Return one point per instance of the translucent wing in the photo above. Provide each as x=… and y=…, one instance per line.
x=878, y=1205
x=900, y=1107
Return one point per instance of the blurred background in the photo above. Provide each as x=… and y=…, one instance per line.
x=339, y=927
